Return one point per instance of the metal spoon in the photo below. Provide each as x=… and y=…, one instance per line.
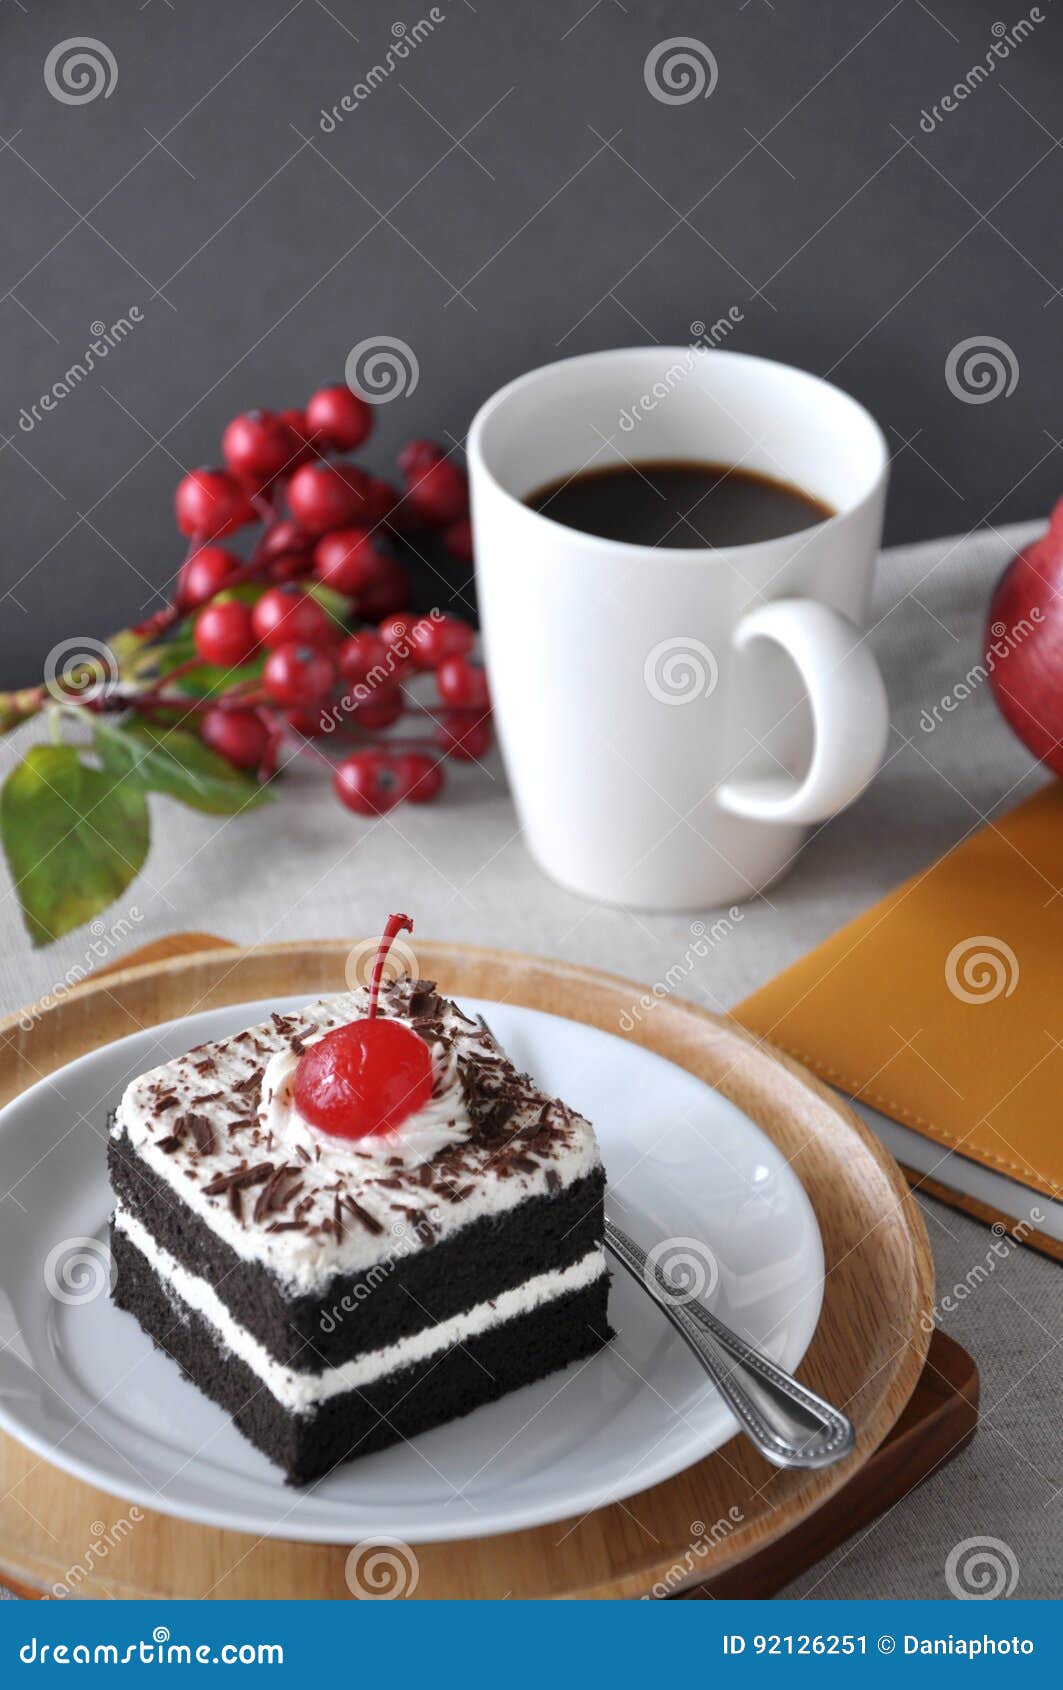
x=789, y=1424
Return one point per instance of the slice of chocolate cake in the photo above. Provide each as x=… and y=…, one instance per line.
x=336, y=1293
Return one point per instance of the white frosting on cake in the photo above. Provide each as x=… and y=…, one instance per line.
x=214, y=1102
x=301, y=1392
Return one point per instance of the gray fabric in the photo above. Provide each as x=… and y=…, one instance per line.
x=308, y=868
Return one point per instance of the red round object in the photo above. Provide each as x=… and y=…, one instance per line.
x=321, y=497
x=290, y=566
x=416, y=455
x=1024, y=645
x=364, y=1078
x=438, y=494
x=204, y=574
x=224, y=635
x=295, y=421
x=297, y=675
x=350, y=560
x=258, y=445
x=369, y=782
x=391, y=592
x=289, y=613
x=309, y=722
x=381, y=499
x=285, y=536
x=210, y=503
x=422, y=775
x=435, y=638
x=380, y=708
x=337, y=418
x=465, y=738
x=364, y=656
x=462, y=684
x=239, y=736
x=458, y=540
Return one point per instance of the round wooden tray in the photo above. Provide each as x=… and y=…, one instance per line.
x=866, y=1355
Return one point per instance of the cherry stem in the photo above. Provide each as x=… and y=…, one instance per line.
x=395, y=925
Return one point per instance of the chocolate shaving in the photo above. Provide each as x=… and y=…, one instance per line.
x=239, y=1180
x=369, y=1221
x=168, y=1144
x=553, y=1180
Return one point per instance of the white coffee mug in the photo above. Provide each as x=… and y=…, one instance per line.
x=673, y=720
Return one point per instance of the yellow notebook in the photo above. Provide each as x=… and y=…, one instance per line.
x=940, y=1013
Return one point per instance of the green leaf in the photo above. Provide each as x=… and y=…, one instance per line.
x=74, y=837
x=172, y=761
x=338, y=605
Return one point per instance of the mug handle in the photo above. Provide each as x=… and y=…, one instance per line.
x=850, y=714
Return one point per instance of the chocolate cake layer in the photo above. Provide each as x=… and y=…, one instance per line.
x=309, y=1445
x=409, y=1289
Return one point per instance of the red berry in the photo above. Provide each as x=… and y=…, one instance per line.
x=435, y=638
x=364, y=1078
x=297, y=675
x=295, y=422
x=422, y=775
x=389, y=593
x=321, y=498
x=381, y=499
x=463, y=737
x=458, y=540
x=462, y=684
x=310, y=723
x=336, y=417
x=416, y=455
x=369, y=782
x=239, y=736
x=395, y=631
x=290, y=566
x=350, y=560
x=257, y=446
x=289, y=613
x=210, y=503
x=380, y=708
x=224, y=634
x=364, y=657
x=286, y=536
x=205, y=574
x=438, y=494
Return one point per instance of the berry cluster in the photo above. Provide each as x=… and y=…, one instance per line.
x=309, y=631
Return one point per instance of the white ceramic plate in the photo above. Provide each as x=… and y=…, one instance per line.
x=83, y=1387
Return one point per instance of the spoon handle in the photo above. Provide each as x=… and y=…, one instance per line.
x=789, y=1424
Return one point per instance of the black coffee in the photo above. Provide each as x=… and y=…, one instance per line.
x=679, y=504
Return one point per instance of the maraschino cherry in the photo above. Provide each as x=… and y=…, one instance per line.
x=365, y=1078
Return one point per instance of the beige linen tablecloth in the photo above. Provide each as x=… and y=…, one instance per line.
x=305, y=867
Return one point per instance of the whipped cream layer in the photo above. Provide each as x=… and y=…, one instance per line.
x=217, y=1129
x=300, y=1393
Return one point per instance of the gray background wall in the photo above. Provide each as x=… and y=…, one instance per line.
x=512, y=193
